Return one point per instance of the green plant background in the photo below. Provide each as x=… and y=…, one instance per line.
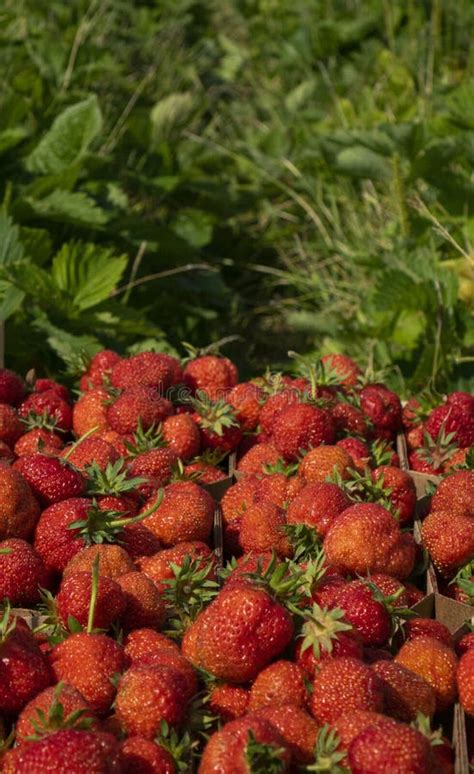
x=297, y=173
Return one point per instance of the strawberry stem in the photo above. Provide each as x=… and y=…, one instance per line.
x=79, y=441
x=94, y=593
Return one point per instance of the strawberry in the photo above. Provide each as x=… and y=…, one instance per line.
x=148, y=695
x=49, y=403
x=90, y=411
x=218, y=425
x=238, y=634
x=463, y=584
x=342, y=685
x=455, y=416
x=247, y=744
x=159, y=566
x=50, y=478
x=185, y=514
x=253, y=562
x=349, y=725
x=358, y=450
x=55, y=541
x=297, y=728
x=19, y=510
x=278, y=488
x=346, y=369
x=365, y=611
x=114, y=561
x=274, y=405
x=427, y=627
x=165, y=657
x=382, y=407
x=238, y=498
x=406, y=693
x=142, y=643
x=155, y=467
x=324, y=461
x=22, y=572
x=68, y=750
x=44, y=385
x=256, y=458
x=204, y=472
x=99, y=370
x=262, y=529
x=11, y=428
x=12, y=388
x=436, y=663
x=400, y=489
x=228, y=702
x=24, y=671
x=6, y=454
x=57, y=707
x=74, y=599
x=138, y=404
x=140, y=755
x=300, y=427
x=455, y=493
x=318, y=505
x=89, y=450
x=449, y=537
x=246, y=400
x=144, y=605
x=393, y=747
x=182, y=435
x=465, y=681
x=88, y=662
x=325, y=634
x=366, y=538
x=211, y=374
x=348, y=418
x=391, y=587
x=38, y=440
x=148, y=369
x=278, y=684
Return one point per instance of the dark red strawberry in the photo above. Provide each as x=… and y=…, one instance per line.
x=140, y=404
x=10, y=426
x=50, y=404
x=301, y=427
x=22, y=572
x=381, y=406
x=50, y=478
x=24, y=671
x=12, y=387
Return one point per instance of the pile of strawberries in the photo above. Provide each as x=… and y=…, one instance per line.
x=126, y=647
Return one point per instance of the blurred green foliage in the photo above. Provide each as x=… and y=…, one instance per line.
x=294, y=172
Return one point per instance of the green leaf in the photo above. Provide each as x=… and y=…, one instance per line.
x=11, y=300
x=69, y=138
x=171, y=112
x=11, y=137
x=69, y=207
x=87, y=273
x=362, y=162
x=74, y=351
x=194, y=226
x=11, y=249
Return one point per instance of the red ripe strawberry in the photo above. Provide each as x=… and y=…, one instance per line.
x=449, y=537
x=274, y=405
x=318, y=505
x=381, y=406
x=142, y=643
x=144, y=605
x=90, y=411
x=228, y=702
x=343, y=685
x=142, y=756
x=436, y=663
x=300, y=427
x=393, y=747
x=420, y=464
x=10, y=426
x=165, y=657
x=246, y=399
x=238, y=498
x=364, y=612
x=186, y=513
x=6, y=453
x=324, y=461
x=114, y=561
x=238, y=634
x=325, y=634
x=218, y=426
x=136, y=405
x=24, y=671
x=19, y=510
x=74, y=599
x=346, y=369
x=358, y=450
x=401, y=490
x=155, y=466
x=158, y=566
x=455, y=416
x=53, y=709
x=213, y=375
x=139, y=541
x=100, y=369
x=89, y=450
x=406, y=693
x=38, y=440
x=50, y=404
x=254, y=562
x=148, y=695
x=465, y=681
x=204, y=472
x=88, y=662
x=263, y=528
x=50, y=478
x=22, y=572
x=150, y=369
x=241, y=744
x=280, y=683
x=278, y=488
x=455, y=493
x=390, y=586
x=256, y=458
x=350, y=725
x=182, y=435
x=67, y=750
x=54, y=541
x=298, y=729
x=366, y=538
x=12, y=388
x=350, y=419
x=45, y=385
x=427, y=627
